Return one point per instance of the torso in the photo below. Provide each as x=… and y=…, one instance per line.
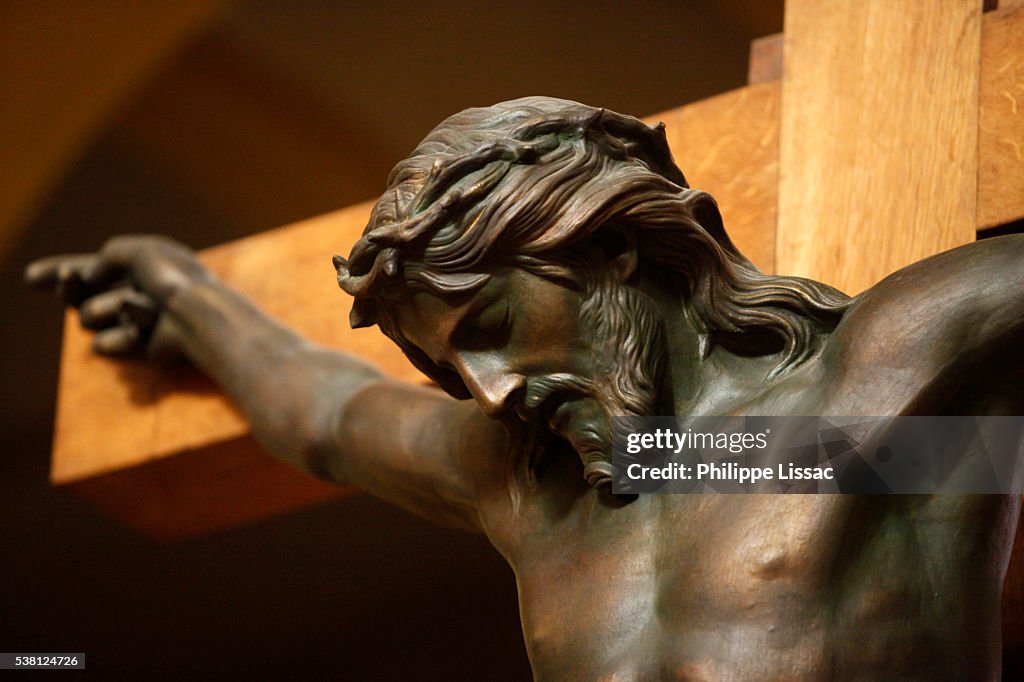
x=789, y=587
x=754, y=587
x=718, y=587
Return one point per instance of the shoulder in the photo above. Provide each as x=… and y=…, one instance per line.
x=931, y=325
x=960, y=300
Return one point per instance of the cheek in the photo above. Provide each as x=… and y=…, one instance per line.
x=549, y=338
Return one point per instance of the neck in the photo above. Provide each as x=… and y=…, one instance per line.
x=720, y=383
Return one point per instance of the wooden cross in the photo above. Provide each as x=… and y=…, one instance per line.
x=888, y=132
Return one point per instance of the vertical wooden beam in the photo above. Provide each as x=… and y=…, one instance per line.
x=878, y=140
x=1013, y=606
x=1001, y=118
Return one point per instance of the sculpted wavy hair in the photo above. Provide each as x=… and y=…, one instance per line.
x=520, y=183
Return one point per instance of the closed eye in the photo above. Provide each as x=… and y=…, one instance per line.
x=487, y=329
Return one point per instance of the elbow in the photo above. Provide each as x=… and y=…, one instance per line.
x=304, y=428
x=325, y=427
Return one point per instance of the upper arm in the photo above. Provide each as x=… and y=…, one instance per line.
x=925, y=330
x=418, y=448
x=963, y=300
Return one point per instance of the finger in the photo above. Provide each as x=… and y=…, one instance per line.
x=124, y=252
x=158, y=265
x=71, y=289
x=105, y=309
x=139, y=309
x=124, y=305
x=107, y=270
x=72, y=285
x=117, y=340
x=44, y=272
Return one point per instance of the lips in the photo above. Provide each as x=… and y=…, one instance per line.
x=555, y=415
x=559, y=418
x=550, y=406
x=581, y=422
x=577, y=421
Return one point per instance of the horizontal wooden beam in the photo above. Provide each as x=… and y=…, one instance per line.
x=119, y=424
x=220, y=485
x=116, y=414
x=145, y=443
x=729, y=146
x=765, y=63
x=160, y=448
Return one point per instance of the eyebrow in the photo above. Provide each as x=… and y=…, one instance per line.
x=484, y=300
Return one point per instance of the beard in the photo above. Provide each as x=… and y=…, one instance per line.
x=629, y=342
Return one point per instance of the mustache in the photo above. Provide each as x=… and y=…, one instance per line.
x=588, y=439
x=543, y=391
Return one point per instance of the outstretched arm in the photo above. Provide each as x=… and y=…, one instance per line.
x=326, y=412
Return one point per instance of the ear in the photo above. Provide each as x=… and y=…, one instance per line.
x=617, y=246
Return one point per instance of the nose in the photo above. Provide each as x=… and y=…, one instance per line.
x=491, y=381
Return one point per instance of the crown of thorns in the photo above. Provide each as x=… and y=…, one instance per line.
x=470, y=163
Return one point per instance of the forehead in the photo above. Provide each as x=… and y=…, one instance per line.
x=428, y=320
x=435, y=322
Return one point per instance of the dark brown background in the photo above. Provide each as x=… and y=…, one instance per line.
x=275, y=112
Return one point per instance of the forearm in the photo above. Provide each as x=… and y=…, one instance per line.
x=288, y=388
x=329, y=413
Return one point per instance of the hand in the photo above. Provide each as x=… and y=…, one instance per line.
x=122, y=291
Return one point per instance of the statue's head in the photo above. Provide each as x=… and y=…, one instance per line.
x=504, y=255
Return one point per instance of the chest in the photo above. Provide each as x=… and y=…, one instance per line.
x=670, y=582
x=646, y=582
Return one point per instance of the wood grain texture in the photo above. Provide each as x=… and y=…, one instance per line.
x=112, y=415
x=1000, y=112
x=124, y=417
x=879, y=144
x=1001, y=118
x=729, y=146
